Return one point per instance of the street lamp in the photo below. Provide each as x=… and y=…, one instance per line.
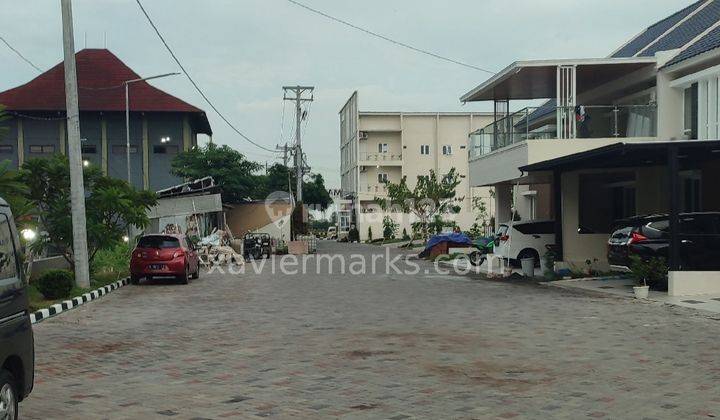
x=127, y=115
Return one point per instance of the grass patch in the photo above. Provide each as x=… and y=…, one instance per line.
x=97, y=280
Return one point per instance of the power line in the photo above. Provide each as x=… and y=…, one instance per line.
x=217, y=111
x=385, y=38
x=20, y=54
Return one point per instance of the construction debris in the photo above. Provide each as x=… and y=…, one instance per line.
x=216, y=249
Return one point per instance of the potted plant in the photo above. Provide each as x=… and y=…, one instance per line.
x=646, y=273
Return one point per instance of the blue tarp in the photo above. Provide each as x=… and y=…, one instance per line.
x=458, y=238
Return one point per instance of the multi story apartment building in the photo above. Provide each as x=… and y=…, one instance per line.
x=629, y=134
x=161, y=125
x=379, y=147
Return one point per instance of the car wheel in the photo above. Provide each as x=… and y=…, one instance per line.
x=529, y=253
x=185, y=276
x=8, y=396
x=196, y=274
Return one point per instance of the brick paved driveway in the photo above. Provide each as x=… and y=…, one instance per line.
x=375, y=346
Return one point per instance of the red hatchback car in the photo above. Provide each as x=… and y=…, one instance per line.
x=162, y=256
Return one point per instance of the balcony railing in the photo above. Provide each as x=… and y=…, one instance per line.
x=592, y=121
x=380, y=157
x=373, y=188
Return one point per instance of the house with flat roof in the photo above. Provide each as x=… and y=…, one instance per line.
x=161, y=125
x=629, y=134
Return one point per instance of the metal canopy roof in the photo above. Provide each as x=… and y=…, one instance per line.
x=627, y=155
x=536, y=79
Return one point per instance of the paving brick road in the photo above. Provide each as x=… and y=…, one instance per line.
x=383, y=346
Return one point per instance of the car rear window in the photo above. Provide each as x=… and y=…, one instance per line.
x=656, y=230
x=159, y=242
x=537, y=228
x=502, y=230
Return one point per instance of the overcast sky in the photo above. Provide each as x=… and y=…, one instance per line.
x=242, y=52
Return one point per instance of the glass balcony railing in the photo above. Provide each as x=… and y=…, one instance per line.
x=591, y=121
x=373, y=189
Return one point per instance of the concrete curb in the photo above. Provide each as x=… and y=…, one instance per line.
x=58, y=308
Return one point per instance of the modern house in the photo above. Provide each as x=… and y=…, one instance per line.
x=380, y=147
x=161, y=125
x=618, y=136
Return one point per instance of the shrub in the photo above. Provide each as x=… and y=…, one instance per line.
x=648, y=273
x=389, y=228
x=55, y=284
x=405, y=235
x=370, y=233
x=112, y=260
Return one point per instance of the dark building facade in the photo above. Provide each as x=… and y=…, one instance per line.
x=161, y=125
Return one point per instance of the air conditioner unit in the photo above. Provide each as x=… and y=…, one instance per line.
x=363, y=135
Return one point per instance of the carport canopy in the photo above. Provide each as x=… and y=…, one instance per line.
x=537, y=79
x=677, y=155
x=627, y=155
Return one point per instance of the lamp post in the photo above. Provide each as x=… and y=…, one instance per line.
x=127, y=115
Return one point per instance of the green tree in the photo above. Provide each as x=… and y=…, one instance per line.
x=390, y=228
x=430, y=197
x=110, y=205
x=233, y=172
x=315, y=194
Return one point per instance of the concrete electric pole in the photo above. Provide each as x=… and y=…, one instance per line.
x=298, y=156
x=77, y=189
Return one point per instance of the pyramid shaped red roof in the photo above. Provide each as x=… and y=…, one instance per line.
x=100, y=88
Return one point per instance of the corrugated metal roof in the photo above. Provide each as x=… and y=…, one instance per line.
x=654, y=31
x=688, y=30
x=709, y=42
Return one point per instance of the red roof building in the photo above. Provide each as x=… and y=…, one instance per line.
x=161, y=125
x=101, y=75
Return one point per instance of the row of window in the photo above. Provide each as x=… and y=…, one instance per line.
x=424, y=149
x=90, y=149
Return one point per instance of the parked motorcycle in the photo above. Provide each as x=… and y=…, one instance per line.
x=256, y=246
x=484, y=246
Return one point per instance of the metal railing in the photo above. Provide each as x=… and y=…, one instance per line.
x=591, y=121
x=373, y=188
x=380, y=157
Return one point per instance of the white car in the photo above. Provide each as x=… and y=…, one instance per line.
x=525, y=240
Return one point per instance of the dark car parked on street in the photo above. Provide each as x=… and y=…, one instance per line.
x=17, y=349
x=649, y=236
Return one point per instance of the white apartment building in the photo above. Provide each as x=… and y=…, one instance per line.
x=387, y=146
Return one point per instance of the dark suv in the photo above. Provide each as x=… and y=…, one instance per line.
x=17, y=354
x=649, y=236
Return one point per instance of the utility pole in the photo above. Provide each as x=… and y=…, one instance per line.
x=298, y=156
x=77, y=189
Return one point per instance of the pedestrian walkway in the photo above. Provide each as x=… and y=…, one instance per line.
x=623, y=287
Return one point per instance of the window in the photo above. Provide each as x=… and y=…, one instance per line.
x=165, y=150
x=89, y=149
x=691, y=111
x=424, y=149
x=43, y=149
x=382, y=147
x=536, y=228
x=8, y=266
x=447, y=150
x=5, y=149
x=382, y=178
x=158, y=242
x=121, y=149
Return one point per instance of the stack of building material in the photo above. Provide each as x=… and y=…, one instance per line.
x=215, y=249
